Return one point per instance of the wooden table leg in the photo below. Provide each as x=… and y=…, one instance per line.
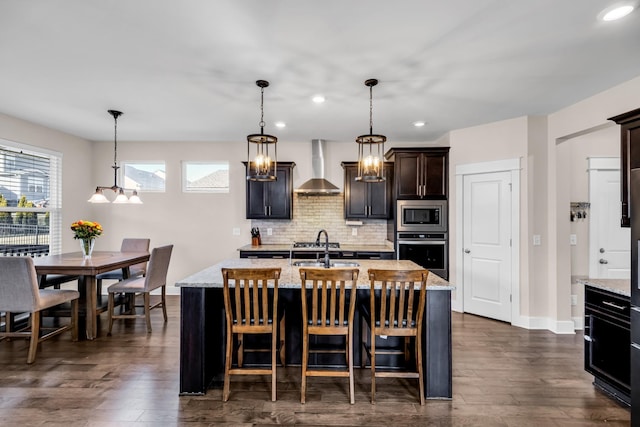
x=91, y=301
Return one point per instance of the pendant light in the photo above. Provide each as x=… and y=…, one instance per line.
x=121, y=197
x=371, y=147
x=263, y=166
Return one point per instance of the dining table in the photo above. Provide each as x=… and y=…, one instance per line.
x=87, y=269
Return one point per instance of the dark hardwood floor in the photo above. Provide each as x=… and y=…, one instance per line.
x=503, y=376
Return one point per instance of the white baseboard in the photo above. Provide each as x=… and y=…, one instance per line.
x=538, y=323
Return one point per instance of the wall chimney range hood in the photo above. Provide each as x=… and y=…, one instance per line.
x=317, y=185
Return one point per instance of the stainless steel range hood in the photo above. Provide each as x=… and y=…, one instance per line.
x=317, y=185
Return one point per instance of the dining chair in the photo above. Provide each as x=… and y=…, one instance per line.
x=251, y=307
x=156, y=277
x=20, y=293
x=328, y=306
x=137, y=270
x=395, y=309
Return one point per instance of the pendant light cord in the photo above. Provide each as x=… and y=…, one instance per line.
x=370, y=110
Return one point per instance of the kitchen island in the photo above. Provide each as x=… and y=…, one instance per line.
x=202, y=330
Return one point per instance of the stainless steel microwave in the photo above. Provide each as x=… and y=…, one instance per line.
x=422, y=215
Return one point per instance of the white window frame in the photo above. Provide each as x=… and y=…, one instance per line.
x=215, y=165
x=123, y=178
x=55, y=191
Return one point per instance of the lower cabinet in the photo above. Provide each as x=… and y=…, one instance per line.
x=317, y=254
x=607, y=335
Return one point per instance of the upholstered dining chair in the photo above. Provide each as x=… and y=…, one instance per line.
x=156, y=277
x=328, y=306
x=19, y=293
x=395, y=309
x=137, y=270
x=251, y=307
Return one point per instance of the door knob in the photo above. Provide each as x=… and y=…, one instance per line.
x=467, y=251
x=601, y=250
x=603, y=261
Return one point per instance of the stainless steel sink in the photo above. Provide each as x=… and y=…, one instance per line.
x=317, y=264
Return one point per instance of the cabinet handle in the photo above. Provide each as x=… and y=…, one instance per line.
x=588, y=338
x=266, y=211
x=636, y=346
x=610, y=304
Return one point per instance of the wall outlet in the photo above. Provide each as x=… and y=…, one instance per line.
x=354, y=231
x=573, y=239
x=574, y=299
x=269, y=231
x=536, y=240
x=236, y=231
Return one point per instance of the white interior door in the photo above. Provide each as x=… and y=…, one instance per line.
x=487, y=244
x=609, y=244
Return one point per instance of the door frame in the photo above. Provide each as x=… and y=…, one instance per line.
x=509, y=165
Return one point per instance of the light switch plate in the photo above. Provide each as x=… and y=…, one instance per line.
x=269, y=231
x=354, y=231
x=573, y=239
x=236, y=231
x=536, y=240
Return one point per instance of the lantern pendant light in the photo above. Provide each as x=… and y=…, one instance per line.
x=265, y=161
x=371, y=147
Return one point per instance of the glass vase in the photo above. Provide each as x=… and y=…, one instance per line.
x=86, y=246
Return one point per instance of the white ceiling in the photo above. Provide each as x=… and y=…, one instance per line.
x=186, y=70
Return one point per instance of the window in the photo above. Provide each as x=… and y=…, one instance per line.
x=30, y=200
x=205, y=177
x=144, y=176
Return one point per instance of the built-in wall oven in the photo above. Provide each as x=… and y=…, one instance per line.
x=430, y=250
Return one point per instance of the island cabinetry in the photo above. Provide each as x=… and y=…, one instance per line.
x=364, y=200
x=630, y=159
x=271, y=199
x=420, y=173
x=265, y=254
x=607, y=338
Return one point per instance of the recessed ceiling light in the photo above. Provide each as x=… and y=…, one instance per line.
x=318, y=99
x=281, y=124
x=419, y=124
x=617, y=13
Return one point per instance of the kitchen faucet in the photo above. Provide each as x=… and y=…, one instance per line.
x=327, y=262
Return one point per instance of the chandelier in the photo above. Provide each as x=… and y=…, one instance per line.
x=121, y=197
x=262, y=167
x=370, y=147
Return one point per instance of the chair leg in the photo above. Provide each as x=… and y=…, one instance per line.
x=164, y=304
x=305, y=359
x=419, y=366
x=110, y=309
x=274, y=362
x=74, y=320
x=240, y=350
x=147, y=315
x=372, y=352
x=35, y=337
x=227, y=365
x=350, y=362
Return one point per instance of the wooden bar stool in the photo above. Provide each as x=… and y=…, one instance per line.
x=250, y=308
x=395, y=309
x=325, y=295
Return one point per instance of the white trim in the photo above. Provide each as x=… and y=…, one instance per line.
x=31, y=149
x=603, y=163
x=509, y=165
x=565, y=327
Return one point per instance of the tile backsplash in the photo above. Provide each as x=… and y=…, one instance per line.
x=314, y=213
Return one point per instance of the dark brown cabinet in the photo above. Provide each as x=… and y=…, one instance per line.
x=607, y=339
x=420, y=173
x=271, y=199
x=367, y=199
x=630, y=159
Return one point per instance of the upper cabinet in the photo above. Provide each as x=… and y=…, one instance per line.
x=420, y=173
x=367, y=199
x=271, y=199
x=630, y=158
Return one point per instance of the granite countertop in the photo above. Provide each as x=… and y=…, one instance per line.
x=343, y=247
x=211, y=277
x=617, y=286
